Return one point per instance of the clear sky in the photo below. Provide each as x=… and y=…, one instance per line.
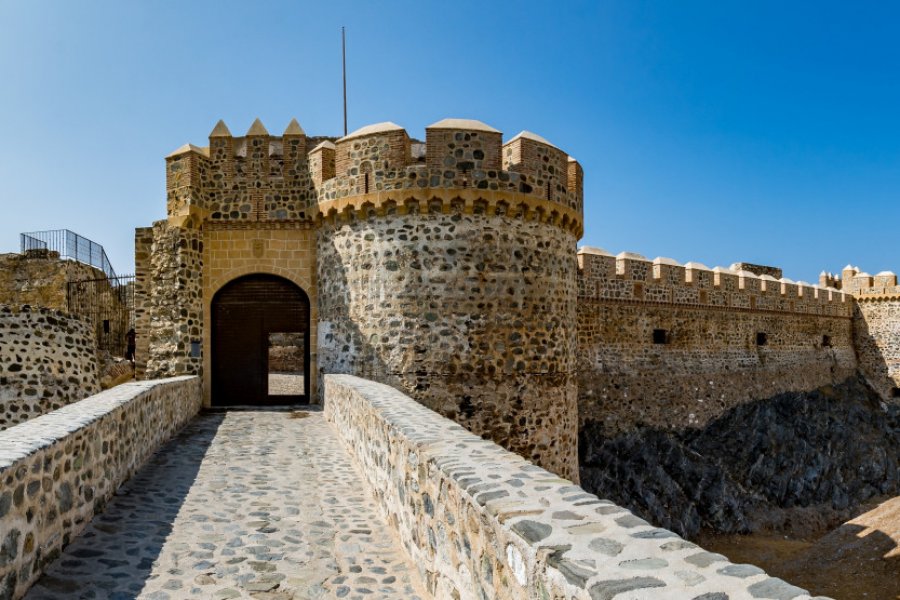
x=722, y=131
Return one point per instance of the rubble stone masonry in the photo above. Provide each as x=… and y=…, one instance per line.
x=60, y=469
x=672, y=346
x=472, y=315
x=171, y=313
x=39, y=278
x=876, y=325
x=878, y=342
x=481, y=522
x=48, y=359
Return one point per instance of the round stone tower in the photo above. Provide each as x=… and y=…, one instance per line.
x=448, y=270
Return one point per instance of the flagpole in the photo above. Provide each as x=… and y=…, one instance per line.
x=344, y=70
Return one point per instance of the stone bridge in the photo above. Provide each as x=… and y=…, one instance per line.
x=132, y=493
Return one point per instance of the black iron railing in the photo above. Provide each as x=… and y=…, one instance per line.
x=109, y=304
x=70, y=246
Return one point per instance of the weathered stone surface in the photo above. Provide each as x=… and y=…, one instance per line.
x=48, y=359
x=241, y=504
x=607, y=590
x=877, y=338
x=471, y=314
x=168, y=301
x=775, y=589
x=38, y=278
x=426, y=473
x=707, y=360
x=64, y=466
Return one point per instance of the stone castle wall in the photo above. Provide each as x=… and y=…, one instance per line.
x=454, y=280
x=40, y=278
x=672, y=346
x=168, y=299
x=60, y=469
x=877, y=337
x=471, y=315
x=500, y=220
x=482, y=522
x=47, y=360
x=876, y=325
x=251, y=178
x=446, y=268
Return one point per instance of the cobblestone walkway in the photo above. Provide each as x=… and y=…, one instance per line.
x=259, y=505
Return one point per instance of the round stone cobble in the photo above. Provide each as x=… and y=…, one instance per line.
x=262, y=505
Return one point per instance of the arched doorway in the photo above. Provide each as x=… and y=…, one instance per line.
x=260, y=342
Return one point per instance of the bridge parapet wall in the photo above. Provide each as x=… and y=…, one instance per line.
x=58, y=470
x=481, y=522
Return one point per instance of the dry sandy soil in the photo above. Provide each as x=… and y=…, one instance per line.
x=860, y=560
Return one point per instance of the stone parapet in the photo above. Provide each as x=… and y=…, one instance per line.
x=481, y=522
x=257, y=177
x=58, y=470
x=632, y=277
x=458, y=154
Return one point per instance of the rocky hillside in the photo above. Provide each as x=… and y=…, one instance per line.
x=798, y=460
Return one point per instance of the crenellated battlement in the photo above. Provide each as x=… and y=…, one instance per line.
x=261, y=177
x=630, y=277
x=255, y=177
x=862, y=285
x=380, y=164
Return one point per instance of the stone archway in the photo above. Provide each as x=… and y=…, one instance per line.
x=249, y=315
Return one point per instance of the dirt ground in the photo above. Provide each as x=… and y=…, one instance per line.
x=860, y=560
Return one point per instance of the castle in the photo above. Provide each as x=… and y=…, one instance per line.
x=449, y=269
x=293, y=269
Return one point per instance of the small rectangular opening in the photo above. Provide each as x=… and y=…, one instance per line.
x=105, y=325
x=287, y=357
x=826, y=341
x=895, y=392
x=762, y=339
x=660, y=336
x=195, y=349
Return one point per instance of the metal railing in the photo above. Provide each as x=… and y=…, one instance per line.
x=70, y=246
x=109, y=305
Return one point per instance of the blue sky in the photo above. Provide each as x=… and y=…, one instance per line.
x=720, y=131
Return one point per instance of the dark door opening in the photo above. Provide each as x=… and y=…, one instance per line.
x=260, y=342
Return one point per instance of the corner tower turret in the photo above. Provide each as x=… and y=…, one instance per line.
x=453, y=278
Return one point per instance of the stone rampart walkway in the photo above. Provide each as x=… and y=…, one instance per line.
x=259, y=505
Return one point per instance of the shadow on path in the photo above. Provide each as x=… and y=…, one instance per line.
x=256, y=503
x=117, y=550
